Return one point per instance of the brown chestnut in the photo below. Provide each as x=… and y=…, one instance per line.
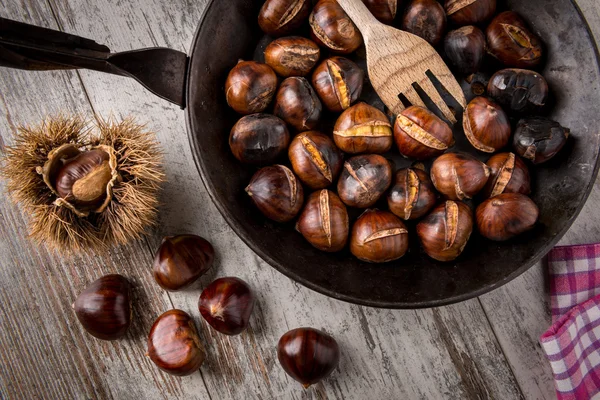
x=519, y=90
x=181, y=260
x=421, y=135
x=538, y=139
x=446, y=231
x=459, y=176
x=427, y=19
x=363, y=129
x=259, y=139
x=174, y=345
x=509, y=175
x=332, y=28
x=104, y=307
x=315, y=159
x=506, y=216
x=364, y=180
x=280, y=17
x=226, y=304
x=276, y=192
x=383, y=10
x=412, y=194
x=486, y=125
x=378, y=237
x=510, y=41
x=250, y=87
x=338, y=82
x=292, y=56
x=470, y=12
x=297, y=104
x=465, y=48
x=324, y=221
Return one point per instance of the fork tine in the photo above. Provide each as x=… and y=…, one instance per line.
x=414, y=98
x=435, y=96
x=397, y=107
x=452, y=86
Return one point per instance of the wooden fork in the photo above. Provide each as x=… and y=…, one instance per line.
x=396, y=60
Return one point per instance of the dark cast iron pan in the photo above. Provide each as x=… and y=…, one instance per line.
x=229, y=31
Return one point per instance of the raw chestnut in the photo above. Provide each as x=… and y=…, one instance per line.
x=181, y=260
x=259, y=139
x=338, y=82
x=104, y=307
x=250, y=87
x=174, y=345
x=364, y=180
x=383, y=10
x=378, y=237
x=324, y=221
x=427, y=19
x=486, y=125
x=315, y=159
x=539, y=139
x=292, y=56
x=308, y=355
x=412, y=194
x=470, y=12
x=506, y=216
x=509, y=175
x=519, y=90
x=363, y=129
x=226, y=304
x=446, y=231
x=421, y=135
x=459, y=176
x=465, y=48
x=298, y=104
x=332, y=28
x=280, y=17
x=510, y=41
x=276, y=192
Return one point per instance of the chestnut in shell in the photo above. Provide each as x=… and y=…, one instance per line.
x=292, y=56
x=509, y=175
x=539, y=139
x=470, y=12
x=364, y=180
x=506, y=216
x=338, y=82
x=332, y=28
x=280, y=17
x=459, y=176
x=465, y=48
x=384, y=10
x=426, y=19
x=412, y=194
x=226, y=304
x=378, y=237
x=315, y=159
x=250, y=87
x=510, y=41
x=297, y=104
x=486, y=125
x=259, y=139
x=519, y=90
x=421, y=135
x=363, y=129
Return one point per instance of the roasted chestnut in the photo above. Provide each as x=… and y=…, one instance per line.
x=280, y=17
x=104, y=307
x=383, y=10
x=425, y=18
x=331, y=27
x=420, y=134
x=486, y=125
x=459, y=176
x=509, y=175
x=519, y=90
x=470, y=12
x=276, y=192
x=298, y=104
x=338, y=82
x=478, y=82
x=308, y=355
x=364, y=180
x=181, y=260
x=506, y=216
x=378, y=237
x=226, y=304
x=412, y=194
x=259, y=139
x=446, y=231
x=465, y=48
x=539, y=139
x=250, y=87
x=510, y=41
x=292, y=56
x=315, y=159
x=363, y=129
x=174, y=345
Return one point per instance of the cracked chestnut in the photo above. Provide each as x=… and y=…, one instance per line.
x=511, y=41
x=226, y=304
x=276, y=192
x=469, y=12
x=465, y=48
x=315, y=159
x=412, y=194
x=509, y=175
x=250, y=87
x=363, y=129
x=378, y=237
x=280, y=17
x=332, y=28
x=506, y=216
x=486, y=125
x=539, y=139
x=459, y=176
x=364, y=180
x=421, y=135
x=384, y=10
x=426, y=19
x=259, y=139
x=298, y=104
x=519, y=90
x=445, y=232
x=338, y=82
x=292, y=56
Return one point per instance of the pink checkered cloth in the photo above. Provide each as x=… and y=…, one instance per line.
x=572, y=343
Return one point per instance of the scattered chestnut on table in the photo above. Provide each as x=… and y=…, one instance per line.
x=421, y=135
x=519, y=90
x=338, y=82
x=280, y=17
x=538, y=139
x=259, y=139
x=465, y=48
x=364, y=179
x=486, y=125
x=378, y=237
x=226, y=304
x=510, y=41
x=315, y=159
x=250, y=87
x=470, y=12
x=509, y=175
x=363, y=129
x=292, y=56
x=426, y=19
x=506, y=216
x=459, y=176
x=412, y=194
x=383, y=10
x=297, y=104
x=332, y=28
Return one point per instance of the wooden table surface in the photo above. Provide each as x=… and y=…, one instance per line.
x=483, y=348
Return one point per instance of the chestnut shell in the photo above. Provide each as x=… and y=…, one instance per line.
x=280, y=17
x=511, y=41
x=378, y=237
x=465, y=48
x=506, y=216
x=315, y=159
x=426, y=19
x=486, y=125
x=519, y=90
x=292, y=56
x=276, y=192
x=364, y=179
x=226, y=304
x=509, y=175
x=332, y=28
x=298, y=104
x=468, y=12
x=250, y=87
x=459, y=176
x=421, y=135
x=412, y=194
x=259, y=139
x=338, y=82
x=539, y=139
x=363, y=129
x=384, y=10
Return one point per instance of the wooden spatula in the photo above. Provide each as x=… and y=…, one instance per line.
x=396, y=60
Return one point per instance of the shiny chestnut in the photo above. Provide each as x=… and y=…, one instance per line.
x=470, y=12
x=509, y=175
x=511, y=41
x=250, y=87
x=486, y=125
x=384, y=10
x=280, y=17
x=276, y=192
x=539, y=139
x=338, y=82
x=315, y=159
x=421, y=135
x=425, y=18
x=297, y=104
x=465, y=48
x=459, y=176
x=363, y=129
x=226, y=304
x=364, y=180
x=292, y=56
x=412, y=194
x=506, y=216
x=259, y=139
x=519, y=90
x=332, y=28
x=378, y=237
